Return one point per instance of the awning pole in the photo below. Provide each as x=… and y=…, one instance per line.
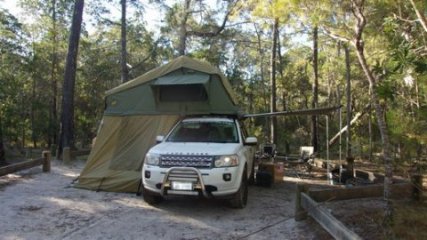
x=340, y=112
x=327, y=151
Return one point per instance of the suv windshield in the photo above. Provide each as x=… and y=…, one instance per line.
x=204, y=131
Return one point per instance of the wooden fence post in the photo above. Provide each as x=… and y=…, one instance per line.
x=66, y=155
x=300, y=212
x=417, y=183
x=46, y=161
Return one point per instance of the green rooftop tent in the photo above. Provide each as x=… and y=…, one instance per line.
x=147, y=106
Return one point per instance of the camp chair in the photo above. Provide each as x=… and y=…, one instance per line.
x=268, y=150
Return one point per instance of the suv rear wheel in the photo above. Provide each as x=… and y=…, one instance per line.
x=240, y=199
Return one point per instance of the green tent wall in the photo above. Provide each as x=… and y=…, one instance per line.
x=147, y=106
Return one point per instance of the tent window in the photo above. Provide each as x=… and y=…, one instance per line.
x=182, y=93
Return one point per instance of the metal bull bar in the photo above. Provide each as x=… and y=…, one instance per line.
x=184, y=174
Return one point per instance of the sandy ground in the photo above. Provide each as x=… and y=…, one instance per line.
x=36, y=205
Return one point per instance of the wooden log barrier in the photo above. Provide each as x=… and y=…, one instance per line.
x=68, y=155
x=47, y=156
x=300, y=212
x=336, y=228
x=44, y=161
x=417, y=182
x=309, y=202
x=79, y=153
x=369, y=191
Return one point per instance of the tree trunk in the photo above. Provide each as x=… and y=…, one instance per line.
x=357, y=7
x=370, y=133
x=264, y=91
x=67, y=116
x=315, y=86
x=261, y=59
x=382, y=125
x=125, y=70
x=23, y=119
x=281, y=71
x=183, y=28
x=273, y=108
x=2, y=151
x=32, y=113
x=349, y=156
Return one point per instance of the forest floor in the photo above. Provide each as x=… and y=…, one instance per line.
x=364, y=216
x=38, y=205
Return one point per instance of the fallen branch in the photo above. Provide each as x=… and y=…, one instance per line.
x=344, y=129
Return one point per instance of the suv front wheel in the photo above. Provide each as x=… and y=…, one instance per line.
x=240, y=198
x=151, y=198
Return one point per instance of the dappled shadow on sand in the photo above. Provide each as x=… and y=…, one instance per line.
x=46, y=207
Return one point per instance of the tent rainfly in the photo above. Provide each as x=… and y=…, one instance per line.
x=145, y=107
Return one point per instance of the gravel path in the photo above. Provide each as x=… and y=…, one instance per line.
x=36, y=205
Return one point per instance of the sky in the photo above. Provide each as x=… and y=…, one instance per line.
x=151, y=14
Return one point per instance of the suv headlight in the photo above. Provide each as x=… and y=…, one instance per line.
x=227, y=161
x=152, y=159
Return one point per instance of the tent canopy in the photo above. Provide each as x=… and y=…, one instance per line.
x=147, y=106
x=184, y=86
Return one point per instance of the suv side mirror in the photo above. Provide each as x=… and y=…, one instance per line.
x=159, y=139
x=251, y=141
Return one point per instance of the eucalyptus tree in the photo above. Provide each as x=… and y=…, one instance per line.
x=123, y=39
x=351, y=31
x=67, y=114
x=276, y=13
x=123, y=62
x=196, y=20
x=310, y=14
x=406, y=64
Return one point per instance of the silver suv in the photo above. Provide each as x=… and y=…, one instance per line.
x=203, y=156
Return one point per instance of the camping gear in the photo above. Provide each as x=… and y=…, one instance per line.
x=269, y=171
x=147, y=106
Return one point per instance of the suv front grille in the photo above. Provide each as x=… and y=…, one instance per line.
x=195, y=161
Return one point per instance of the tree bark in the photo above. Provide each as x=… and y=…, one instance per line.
x=281, y=70
x=357, y=8
x=183, y=28
x=315, y=91
x=215, y=30
x=32, y=113
x=273, y=107
x=67, y=116
x=125, y=70
x=370, y=133
x=2, y=151
x=261, y=59
x=349, y=156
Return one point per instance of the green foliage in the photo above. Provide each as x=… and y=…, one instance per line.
x=33, y=55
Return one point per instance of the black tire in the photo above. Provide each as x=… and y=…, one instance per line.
x=151, y=198
x=240, y=198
